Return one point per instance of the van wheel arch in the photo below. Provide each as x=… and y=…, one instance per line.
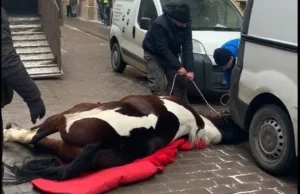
x=258, y=102
x=112, y=41
x=117, y=62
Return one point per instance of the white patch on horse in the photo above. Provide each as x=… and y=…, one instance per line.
x=18, y=135
x=122, y=124
x=187, y=121
x=211, y=134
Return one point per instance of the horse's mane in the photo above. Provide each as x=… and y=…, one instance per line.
x=231, y=132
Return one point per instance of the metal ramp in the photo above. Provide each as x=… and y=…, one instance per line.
x=32, y=46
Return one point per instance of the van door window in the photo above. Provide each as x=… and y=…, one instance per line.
x=219, y=15
x=226, y=15
x=148, y=10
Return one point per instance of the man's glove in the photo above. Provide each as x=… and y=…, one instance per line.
x=37, y=109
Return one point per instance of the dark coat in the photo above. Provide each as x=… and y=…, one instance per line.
x=164, y=40
x=73, y=2
x=14, y=75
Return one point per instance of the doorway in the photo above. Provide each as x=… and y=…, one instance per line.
x=20, y=7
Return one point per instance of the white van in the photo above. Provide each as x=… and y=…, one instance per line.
x=264, y=87
x=213, y=23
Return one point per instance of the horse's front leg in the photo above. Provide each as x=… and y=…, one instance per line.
x=19, y=135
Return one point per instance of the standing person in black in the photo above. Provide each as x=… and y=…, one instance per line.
x=169, y=35
x=100, y=11
x=14, y=77
x=73, y=4
x=107, y=5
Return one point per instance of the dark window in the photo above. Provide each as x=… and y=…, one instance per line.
x=147, y=10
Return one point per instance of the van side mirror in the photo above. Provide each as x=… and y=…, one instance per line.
x=145, y=23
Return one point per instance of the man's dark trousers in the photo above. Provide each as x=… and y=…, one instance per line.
x=69, y=11
x=160, y=78
x=2, y=170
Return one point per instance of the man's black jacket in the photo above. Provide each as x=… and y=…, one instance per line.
x=166, y=41
x=14, y=75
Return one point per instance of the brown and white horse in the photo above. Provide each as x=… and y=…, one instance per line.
x=103, y=135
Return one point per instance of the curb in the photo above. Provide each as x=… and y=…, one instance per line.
x=89, y=31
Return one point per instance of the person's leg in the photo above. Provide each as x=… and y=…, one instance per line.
x=69, y=12
x=2, y=168
x=105, y=13
x=180, y=85
x=102, y=12
x=108, y=15
x=155, y=74
x=98, y=12
x=74, y=10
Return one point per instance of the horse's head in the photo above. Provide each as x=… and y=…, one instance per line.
x=210, y=134
x=196, y=135
x=221, y=129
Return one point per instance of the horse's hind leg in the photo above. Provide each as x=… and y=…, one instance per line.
x=66, y=153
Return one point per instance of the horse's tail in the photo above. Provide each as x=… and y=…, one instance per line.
x=52, y=168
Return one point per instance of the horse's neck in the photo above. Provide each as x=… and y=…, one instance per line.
x=213, y=119
x=217, y=121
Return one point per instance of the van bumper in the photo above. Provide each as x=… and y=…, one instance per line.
x=208, y=77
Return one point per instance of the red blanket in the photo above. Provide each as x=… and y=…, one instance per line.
x=105, y=180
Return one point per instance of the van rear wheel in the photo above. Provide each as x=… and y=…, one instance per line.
x=271, y=140
x=117, y=62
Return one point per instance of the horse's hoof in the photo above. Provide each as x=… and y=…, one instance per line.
x=5, y=139
x=12, y=125
x=8, y=125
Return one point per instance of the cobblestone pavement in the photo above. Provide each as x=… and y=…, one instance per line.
x=88, y=78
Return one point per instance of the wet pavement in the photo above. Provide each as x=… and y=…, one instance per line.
x=88, y=77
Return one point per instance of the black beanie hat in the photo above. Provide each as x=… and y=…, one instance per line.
x=222, y=56
x=181, y=13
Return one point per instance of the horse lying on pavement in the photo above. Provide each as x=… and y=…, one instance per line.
x=103, y=135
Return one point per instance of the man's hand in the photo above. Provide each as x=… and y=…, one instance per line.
x=37, y=110
x=190, y=76
x=181, y=71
